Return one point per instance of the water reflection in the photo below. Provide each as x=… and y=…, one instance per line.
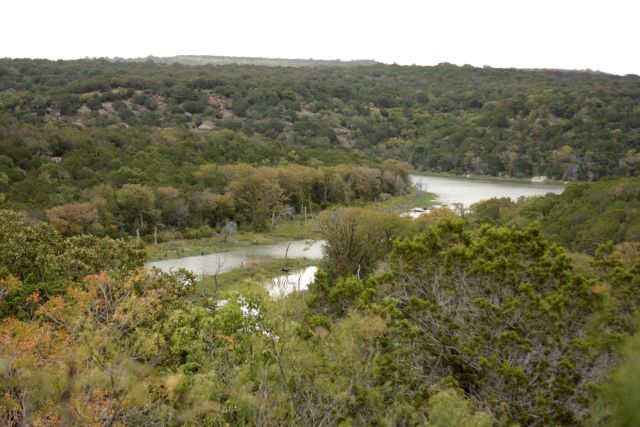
x=450, y=190
x=297, y=280
x=222, y=262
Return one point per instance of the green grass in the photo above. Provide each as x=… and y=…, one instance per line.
x=296, y=229
x=259, y=270
x=190, y=247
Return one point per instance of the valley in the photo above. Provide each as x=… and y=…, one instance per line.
x=215, y=240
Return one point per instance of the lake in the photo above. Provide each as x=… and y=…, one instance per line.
x=297, y=280
x=450, y=190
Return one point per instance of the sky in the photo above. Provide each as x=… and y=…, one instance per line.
x=564, y=34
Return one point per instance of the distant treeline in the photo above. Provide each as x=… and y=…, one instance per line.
x=563, y=124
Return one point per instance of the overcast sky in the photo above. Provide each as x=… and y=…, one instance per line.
x=568, y=34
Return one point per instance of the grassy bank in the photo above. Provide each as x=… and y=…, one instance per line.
x=403, y=203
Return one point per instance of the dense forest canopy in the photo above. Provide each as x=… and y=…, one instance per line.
x=111, y=181
x=564, y=124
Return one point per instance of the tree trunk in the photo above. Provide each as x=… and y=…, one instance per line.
x=155, y=234
x=137, y=237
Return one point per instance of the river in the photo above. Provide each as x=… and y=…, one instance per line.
x=222, y=262
x=449, y=190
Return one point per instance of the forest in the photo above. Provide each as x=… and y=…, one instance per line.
x=503, y=313
x=114, y=182
x=567, y=125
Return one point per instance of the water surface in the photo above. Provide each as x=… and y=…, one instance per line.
x=450, y=190
x=297, y=280
x=222, y=262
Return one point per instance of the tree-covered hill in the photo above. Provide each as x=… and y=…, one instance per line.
x=563, y=124
x=510, y=313
x=583, y=217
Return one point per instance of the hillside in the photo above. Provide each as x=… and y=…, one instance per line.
x=507, y=313
x=485, y=121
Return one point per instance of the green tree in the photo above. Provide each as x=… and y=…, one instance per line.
x=137, y=204
x=502, y=314
x=259, y=198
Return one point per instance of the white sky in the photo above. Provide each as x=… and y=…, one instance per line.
x=599, y=35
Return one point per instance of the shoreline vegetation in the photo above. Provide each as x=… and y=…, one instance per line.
x=294, y=229
x=299, y=229
x=260, y=270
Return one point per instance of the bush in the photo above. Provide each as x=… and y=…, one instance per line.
x=201, y=232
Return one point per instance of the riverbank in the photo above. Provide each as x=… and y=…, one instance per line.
x=296, y=229
x=400, y=204
x=285, y=231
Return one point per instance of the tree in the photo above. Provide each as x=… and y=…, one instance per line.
x=172, y=209
x=258, y=198
x=619, y=397
x=449, y=409
x=75, y=218
x=357, y=239
x=210, y=175
x=44, y=263
x=502, y=314
x=136, y=203
x=211, y=208
x=229, y=231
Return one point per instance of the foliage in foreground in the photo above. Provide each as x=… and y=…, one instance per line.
x=503, y=315
x=37, y=263
x=126, y=347
x=500, y=313
x=491, y=327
